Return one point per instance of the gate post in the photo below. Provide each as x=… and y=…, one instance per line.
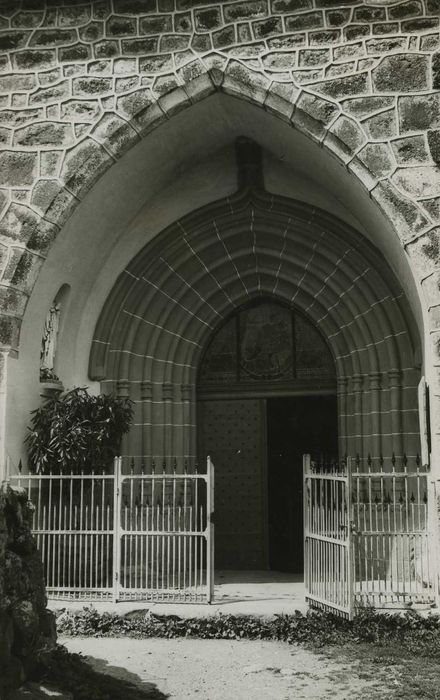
x=209, y=530
x=116, y=519
x=306, y=471
x=351, y=540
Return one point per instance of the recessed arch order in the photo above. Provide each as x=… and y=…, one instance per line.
x=176, y=291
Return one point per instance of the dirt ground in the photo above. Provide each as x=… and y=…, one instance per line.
x=226, y=670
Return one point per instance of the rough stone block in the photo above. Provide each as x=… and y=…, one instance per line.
x=83, y=165
x=326, y=36
x=420, y=25
x=381, y=126
x=418, y=181
x=337, y=69
x=377, y=158
x=381, y=46
x=89, y=87
x=251, y=9
x=286, y=42
x=174, y=42
x=183, y=22
x=74, y=16
x=91, y=32
x=301, y=22
x=201, y=42
x=431, y=289
x=134, y=7
x=9, y=336
x=267, y=27
x=434, y=145
x=44, y=134
x=48, y=95
x=419, y=112
x=80, y=110
x=77, y=52
x=121, y=26
x=18, y=117
x=156, y=24
x=17, y=169
x=369, y=14
x=425, y=252
x=407, y=217
x=410, y=150
x=412, y=8
x=401, y=73
x=342, y=53
x=26, y=60
x=208, y=19
x=107, y=49
x=223, y=37
x=314, y=57
x=341, y=87
x=251, y=84
x=53, y=37
x=313, y=114
x=16, y=83
x=114, y=133
x=436, y=71
x=165, y=84
x=10, y=40
x=135, y=102
x=279, y=60
x=356, y=31
x=336, y=18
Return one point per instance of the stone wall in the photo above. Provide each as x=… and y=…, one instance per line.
x=81, y=82
x=27, y=629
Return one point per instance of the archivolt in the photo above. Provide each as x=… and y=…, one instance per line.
x=180, y=287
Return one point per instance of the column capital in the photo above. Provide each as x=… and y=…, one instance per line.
x=186, y=390
x=123, y=388
x=146, y=391
x=358, y=381
x=167, y=391
x=394, y=377
x=375, y=378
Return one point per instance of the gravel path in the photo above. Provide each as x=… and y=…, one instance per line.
x=224, y=670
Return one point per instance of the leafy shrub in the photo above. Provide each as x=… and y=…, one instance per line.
x=315, y=629
x=77, y=431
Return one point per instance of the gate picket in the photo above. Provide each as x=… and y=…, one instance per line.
x=327, y=537
x=124, y=536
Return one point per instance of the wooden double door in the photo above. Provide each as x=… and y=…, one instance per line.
x=256, y=445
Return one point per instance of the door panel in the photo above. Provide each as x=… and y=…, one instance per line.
x=232, y=432
x=295, y=426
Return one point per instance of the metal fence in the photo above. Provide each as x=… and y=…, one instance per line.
x=367, y=534
x=391, y=535
x=124, y=535
x=327, y=536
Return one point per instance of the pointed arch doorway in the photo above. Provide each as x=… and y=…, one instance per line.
x=266, y=395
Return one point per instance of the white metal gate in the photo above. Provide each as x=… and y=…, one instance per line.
x=367, y=535
x=145, y=536
x=328, y=566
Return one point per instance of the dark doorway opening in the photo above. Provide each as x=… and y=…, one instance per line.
x=295, y=426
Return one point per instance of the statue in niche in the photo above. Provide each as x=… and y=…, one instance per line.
x=49, y=344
